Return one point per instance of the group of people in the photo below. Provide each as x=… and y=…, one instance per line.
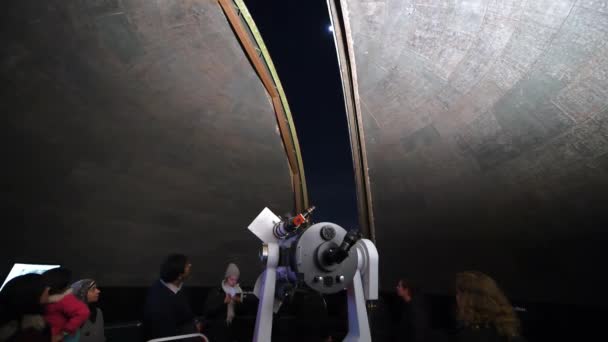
x=483, y=313
x=47, y=307
x=167, y=311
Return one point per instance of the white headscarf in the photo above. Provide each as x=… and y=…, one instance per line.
x=232, y=291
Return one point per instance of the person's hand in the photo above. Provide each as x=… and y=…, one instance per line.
x=237, y=299
x=57, y=338
x=227, y=299
x=199, y=327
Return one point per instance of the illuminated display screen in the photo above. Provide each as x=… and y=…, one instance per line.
x=21, y=269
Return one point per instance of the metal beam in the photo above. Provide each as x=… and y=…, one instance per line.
x=250, y=38
x=353, y=114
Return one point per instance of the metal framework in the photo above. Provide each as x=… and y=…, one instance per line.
x=353, y=113
x=241, y=21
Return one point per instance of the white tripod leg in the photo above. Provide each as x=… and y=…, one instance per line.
x=263, y=321
x=366, y=275
x=358, y=325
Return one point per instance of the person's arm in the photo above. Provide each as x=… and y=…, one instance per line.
x=160, y=324
x=214, y=304
x=420, y=320
x=101, y=324
x=77, y=313
x=237, y=298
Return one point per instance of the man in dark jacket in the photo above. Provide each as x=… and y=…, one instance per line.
x=167, y=310
x=414, y=322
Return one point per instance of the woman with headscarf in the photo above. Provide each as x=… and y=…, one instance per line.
x=64, y=312
x=86, y=291
x=21, y=310
x=221, y=305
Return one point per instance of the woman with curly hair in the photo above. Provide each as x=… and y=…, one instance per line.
x=484, y=310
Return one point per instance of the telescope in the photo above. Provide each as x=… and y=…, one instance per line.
x=323, y=257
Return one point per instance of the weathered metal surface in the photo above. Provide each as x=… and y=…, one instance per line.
x=133, y=129
x=484, y=125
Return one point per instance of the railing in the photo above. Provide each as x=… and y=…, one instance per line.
x=133, y=324
x=126, y=331
x=179, y=337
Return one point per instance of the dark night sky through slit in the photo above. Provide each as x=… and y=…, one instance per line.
x=303, y=51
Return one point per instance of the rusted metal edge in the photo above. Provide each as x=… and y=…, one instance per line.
x=243, y=25
x=346, y=61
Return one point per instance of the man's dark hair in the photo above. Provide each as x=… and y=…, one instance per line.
x=172, y=267
x=407, y=284
x=57, y=279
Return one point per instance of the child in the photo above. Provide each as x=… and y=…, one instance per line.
x=64, y=312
